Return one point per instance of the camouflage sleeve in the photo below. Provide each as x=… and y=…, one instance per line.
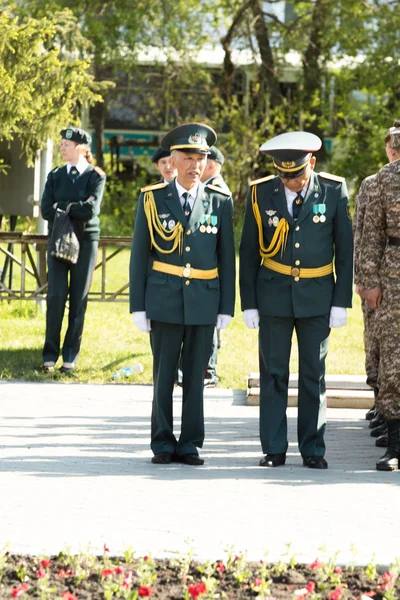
x=362, y=199
x=373, y=240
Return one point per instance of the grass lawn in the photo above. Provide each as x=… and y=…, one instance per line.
x=111, y=341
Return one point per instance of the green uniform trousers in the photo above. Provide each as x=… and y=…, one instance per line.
x=168, y=341
x=64, y=280
x=275, y=341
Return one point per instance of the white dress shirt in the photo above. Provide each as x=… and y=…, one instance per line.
x=80, y=166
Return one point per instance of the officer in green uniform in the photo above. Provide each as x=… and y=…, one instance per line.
x=79, y=186
x=182, y=285
x=297, y=233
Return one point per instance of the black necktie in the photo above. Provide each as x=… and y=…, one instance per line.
x=297, y=202
x=73, y=174
x=186, y=206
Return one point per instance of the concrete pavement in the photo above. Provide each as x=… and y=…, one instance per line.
x=75, y=471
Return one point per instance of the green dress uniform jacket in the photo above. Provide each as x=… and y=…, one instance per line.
x=183, y=310
x=85, y=196
x=60, y=189
x=309, y=245
x=173, y=299
x=288, y=302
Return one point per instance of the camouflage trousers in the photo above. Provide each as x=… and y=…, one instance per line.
x=388, y=333
x=371, y=346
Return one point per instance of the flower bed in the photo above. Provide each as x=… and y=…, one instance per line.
x=84, y=576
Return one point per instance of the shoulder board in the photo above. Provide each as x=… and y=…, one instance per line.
x=256, y=181
x=55, y=170
x=154, y=186
x=330, y=176
x=216, y=188
x=99, y=171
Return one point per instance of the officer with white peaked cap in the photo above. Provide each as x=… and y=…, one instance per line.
x=295, y=274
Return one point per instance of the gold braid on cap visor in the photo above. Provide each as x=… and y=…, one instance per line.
x=293, y=169
x=175, y=235
x=194, y=146
x=281, y=232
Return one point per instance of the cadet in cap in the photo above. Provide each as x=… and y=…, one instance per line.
x=216, y=155
x=297, y=227
x=182, y=286
x=379, y=274
x=162, y=162
x=78, y=187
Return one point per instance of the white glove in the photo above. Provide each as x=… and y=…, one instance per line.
x=223, y=321
x=141, y=321
x=338, y=316
x=251, y=318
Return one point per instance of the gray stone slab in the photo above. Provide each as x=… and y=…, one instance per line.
x=75, y=470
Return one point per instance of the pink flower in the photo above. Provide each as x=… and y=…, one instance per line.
x=220, y=567
x=18, y=591
x=41, y=573
x=336, y=594
x=388, y=581
x=63, y=573
x=338, y=570
x=145, y=590
x=310, y=587
x=119, y=570
x=45, y=563
x=197, y=589
x=257, y=582
x=126, y=584
x=317, y=564
x=68, y=596
x=105, y=548
x=107, y=572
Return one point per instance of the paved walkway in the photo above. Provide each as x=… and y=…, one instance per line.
x=75, y=471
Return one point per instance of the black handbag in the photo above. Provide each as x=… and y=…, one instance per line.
x=64, y=242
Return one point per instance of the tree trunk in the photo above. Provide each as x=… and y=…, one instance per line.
x=269, y=81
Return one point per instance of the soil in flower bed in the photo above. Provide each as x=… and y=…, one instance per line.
x=84, y=577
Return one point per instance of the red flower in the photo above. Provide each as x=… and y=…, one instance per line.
x=68, y=596
x=119, y=570
x=105, y=548
x=317, y=564
x=220, y=567
x=145, y=590
x=145, y=558
x=18, y=591
x=63, y=573
x=197, y=589
x=107, y=572
x=41, y=573
x=45, y=563
x=336, y=594
x=310, y=587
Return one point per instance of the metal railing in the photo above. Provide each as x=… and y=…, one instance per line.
x=28, y=252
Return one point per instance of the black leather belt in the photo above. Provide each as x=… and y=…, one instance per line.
x=394, y=241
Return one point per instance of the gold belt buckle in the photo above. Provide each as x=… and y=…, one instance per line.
x=295, y=272
x=186, y=272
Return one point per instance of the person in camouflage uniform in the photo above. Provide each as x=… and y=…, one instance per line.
x=379, y=275
x=371, y=344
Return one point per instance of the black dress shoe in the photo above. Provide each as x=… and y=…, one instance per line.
x=48, y=366
x=370, y=414
x=273, y=460
x=376, y=421
x=315, y=462
x=380, y=430
x=189, y=459
x=163, y=458
x=382, y=441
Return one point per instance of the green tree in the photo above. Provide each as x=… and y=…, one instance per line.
x=43, y=85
